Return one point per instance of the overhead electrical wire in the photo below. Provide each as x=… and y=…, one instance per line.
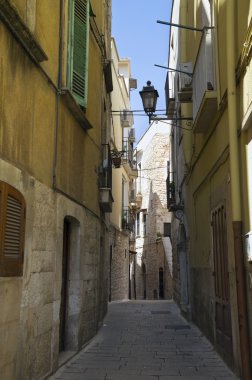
x=151, y=179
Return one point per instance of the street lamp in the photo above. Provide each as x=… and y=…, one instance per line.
x=149, y=97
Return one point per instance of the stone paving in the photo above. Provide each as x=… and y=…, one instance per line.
x=146, y=340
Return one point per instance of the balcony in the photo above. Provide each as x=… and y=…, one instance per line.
x=132, y=236
x=170, y=191
x=139, y=199
x=204, y=84
x=128, y=221
x=105, y=180
x=185, y=83
x=127, y=159
x=126, y=117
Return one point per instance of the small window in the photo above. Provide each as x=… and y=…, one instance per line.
x=138, y=224
x=167, y=229
x=144, y=223
x=12, y=225
x=78, y=50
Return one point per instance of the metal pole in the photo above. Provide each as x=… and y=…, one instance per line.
x=182, y=26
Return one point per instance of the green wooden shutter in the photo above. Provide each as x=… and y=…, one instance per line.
x=12, y=223
x=78, y=50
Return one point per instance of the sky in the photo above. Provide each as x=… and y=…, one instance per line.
x=140, y=38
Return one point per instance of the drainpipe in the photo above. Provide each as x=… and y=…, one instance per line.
x=236, y=193
x=58, y=96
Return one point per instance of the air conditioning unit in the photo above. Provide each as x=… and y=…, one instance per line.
x=185, y=83
x=132, y=137
x=126, y=118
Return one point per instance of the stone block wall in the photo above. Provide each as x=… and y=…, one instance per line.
x=151, y=257
x=30, y=305
x=119, y=241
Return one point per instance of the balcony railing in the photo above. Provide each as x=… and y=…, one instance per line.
x=127, y=219
x=105, y=180
x=170, y=189
x=127, y=158
x=204, y=83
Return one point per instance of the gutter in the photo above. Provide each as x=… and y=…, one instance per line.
x=58, y=97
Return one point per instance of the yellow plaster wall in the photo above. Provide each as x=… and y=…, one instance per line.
x=47, y=33
x=27, y=105
x=28, y=102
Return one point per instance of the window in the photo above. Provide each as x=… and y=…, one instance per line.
x=167, y=229
x=78, y=50
x=138, y=224
x=12, y=223
x=144, y=223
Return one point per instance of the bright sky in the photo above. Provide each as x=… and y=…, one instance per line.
x=140, y=38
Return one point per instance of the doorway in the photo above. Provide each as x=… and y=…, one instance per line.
x=223, y=323
x=183, y=268
x=161, y=283
x=144, y=281
x=70, y=306
x=64, y=286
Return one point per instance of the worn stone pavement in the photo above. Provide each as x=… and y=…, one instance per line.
x=146, y=340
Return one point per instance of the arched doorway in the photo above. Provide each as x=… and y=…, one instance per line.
x=69, y=310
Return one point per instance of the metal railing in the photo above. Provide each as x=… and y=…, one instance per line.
x=127, y=155
x=170, y=188
x=105, y=177
x=127, y=219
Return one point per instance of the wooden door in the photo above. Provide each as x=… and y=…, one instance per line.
x=222, y=299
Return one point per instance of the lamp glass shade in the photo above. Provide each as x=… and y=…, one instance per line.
x=149, y=98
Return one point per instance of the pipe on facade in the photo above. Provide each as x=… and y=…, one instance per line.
x=236, y=193
x=58, y=96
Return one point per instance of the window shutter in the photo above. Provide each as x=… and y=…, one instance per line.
x=12, y=222
x=79, y=37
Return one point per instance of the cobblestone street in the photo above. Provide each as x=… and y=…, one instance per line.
x=146, y=340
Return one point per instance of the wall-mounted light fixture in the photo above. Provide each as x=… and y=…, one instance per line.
x=149, y=97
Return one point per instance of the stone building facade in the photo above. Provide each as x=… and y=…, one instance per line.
x=209, y=99
x=54, y=238
x=151, y=266
x=122, y=138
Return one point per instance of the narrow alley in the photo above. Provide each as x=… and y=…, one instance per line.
x=146, y=340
